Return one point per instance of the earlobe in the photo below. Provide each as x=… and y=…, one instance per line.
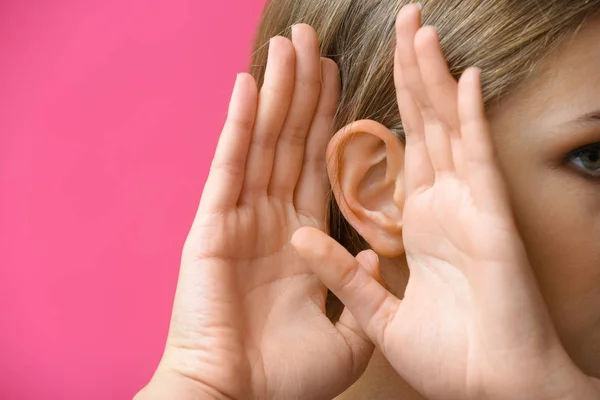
x=365, y=166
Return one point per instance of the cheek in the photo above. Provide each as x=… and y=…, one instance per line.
x=562, y=237
x=558, y=215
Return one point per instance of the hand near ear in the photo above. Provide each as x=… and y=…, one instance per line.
x=249, y=316
x=472, y=324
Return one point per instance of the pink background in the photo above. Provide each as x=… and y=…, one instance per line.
x=109, y=115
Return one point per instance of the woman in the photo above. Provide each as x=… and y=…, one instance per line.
x=495, y=215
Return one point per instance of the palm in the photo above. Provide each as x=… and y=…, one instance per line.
x=249, y=318
x=447, y=238
x=279, y=300
x=260, y=232
x=445, y=229
x=435, y=221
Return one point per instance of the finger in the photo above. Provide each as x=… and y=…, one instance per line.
x=273, y=103
x=369, y=302
x=226, y=177
x=438, y=142
x=348, y=326
x=441, y=88
x=311, y=194
x=419, y=171
x=484, y=177
x=289, y=152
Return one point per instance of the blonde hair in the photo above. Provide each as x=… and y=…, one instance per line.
x=505, y=38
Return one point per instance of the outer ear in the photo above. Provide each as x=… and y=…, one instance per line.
x=365, y=167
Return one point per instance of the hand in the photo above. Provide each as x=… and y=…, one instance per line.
x=249, y=315
x=472, y=324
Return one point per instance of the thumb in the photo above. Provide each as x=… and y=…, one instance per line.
x=357, y=286
x=360, y=345
x=369, y=261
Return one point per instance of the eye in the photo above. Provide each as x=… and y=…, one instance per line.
x=587, y=159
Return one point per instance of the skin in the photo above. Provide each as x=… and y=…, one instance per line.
x=554, y=203
x=248, y=320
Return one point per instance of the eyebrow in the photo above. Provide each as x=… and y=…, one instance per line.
x=592, y=117
x=583, y=123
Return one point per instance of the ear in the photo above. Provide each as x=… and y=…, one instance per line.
x=365, y=167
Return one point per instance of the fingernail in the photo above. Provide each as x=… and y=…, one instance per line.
x=418, y=3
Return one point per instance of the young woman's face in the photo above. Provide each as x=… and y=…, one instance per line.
x=548, y=141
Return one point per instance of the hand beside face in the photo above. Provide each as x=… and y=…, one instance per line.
x=472, y=323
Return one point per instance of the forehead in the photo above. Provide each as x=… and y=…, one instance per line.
x=573, y=68
x=565, y=84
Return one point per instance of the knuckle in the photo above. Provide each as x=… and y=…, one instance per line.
x=309, y=83
x=429, y=115
x=347, y=275
x=273, y=91
x=229, y=167
x=295, y=135
x=315, y=163
x=240, y=124
x=265, y=140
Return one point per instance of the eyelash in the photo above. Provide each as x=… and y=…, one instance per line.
x=577, y=153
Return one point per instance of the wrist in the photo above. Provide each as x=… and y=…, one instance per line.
x=570, y=385
x=549, y=378
x=587, y=389
x=172, y=385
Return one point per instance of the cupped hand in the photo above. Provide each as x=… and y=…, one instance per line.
x=249, y=315
x=472, y=323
